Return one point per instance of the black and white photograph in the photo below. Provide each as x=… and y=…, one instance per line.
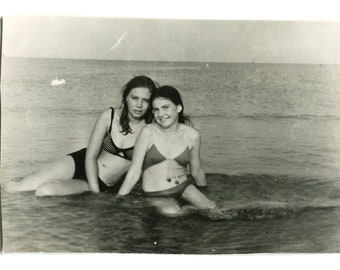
x=170, y=136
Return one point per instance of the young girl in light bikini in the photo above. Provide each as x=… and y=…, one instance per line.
x=163, y=151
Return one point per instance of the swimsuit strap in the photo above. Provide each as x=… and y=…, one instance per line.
x=112, y=115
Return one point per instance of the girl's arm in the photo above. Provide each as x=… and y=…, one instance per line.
x=142, y=144
x=93, y=149
x=195, y=161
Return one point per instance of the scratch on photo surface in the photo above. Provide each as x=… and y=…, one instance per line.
x=117, y=42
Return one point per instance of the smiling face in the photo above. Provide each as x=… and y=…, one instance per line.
x=165, y=112
x=138, y=102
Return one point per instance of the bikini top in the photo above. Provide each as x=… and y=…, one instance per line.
x=112, y=148
x=153, y=156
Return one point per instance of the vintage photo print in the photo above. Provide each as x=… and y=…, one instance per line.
x=169, y=136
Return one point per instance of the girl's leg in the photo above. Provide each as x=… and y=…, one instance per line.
x=169, y=207
x=205, y=206
x=197, y=198
x=62, y=188
x=61, y=169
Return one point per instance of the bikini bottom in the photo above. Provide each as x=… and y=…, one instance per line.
x=175, y=192
x=80, y=173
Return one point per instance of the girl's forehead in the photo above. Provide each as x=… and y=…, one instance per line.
x=159, y=101
x=140, y=91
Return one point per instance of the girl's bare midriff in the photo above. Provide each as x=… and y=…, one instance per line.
x=163, y=176
x=111, y=167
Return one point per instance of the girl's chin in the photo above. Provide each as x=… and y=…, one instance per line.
x=163, y=125
x=137, y=116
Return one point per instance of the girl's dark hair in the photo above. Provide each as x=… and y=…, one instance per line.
x=172, y=94
x=138, y=81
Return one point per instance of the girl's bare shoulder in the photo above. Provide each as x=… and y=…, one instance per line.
x=105, y=116
x=148, y=129
x=189, y=132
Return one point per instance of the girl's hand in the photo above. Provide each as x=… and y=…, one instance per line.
x=118, y=198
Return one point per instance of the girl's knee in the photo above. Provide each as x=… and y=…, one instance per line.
x=62, y=188
x=170, y=209
x=51, y=188
x=44, y=190
x=11, y=187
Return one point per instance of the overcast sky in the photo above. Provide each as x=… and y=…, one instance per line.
x=172, y=40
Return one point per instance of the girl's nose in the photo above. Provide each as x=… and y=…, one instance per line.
x=139, y=103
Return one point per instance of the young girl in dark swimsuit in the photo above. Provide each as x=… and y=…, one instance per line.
x=108, y=154
x=163, y=151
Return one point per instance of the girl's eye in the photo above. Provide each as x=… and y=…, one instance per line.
x=154, y=110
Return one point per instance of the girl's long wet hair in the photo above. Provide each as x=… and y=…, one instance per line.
x=171, y=93
x=138, y=81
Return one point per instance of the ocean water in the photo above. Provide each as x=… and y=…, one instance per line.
x=270, y=148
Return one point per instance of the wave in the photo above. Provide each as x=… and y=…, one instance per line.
x=296, y=116
x=268, y=116
x=226, y=115
x=263, y=210
x=41, y=110
x=259, y=196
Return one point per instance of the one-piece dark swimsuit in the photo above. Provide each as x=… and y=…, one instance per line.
x=109, y=146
